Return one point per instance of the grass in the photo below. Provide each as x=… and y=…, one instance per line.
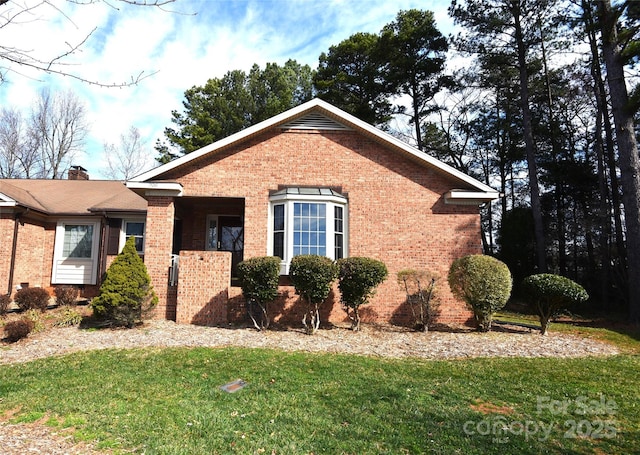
x=169, y=401
x=611, y=330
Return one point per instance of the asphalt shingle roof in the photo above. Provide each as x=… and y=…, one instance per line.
x=72, y=197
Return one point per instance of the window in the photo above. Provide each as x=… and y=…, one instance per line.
x=78, y=239
x=338, y=219
x=212, y=233
x=307, y=221
x=76, y=252
x=133, y=228
x=278, y=230
x=309, y=228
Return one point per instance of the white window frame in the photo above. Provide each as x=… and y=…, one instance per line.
x=288, y=200
x=123, y=233
x=67, y=270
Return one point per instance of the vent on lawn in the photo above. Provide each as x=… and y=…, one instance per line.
x=234, y=386
x=314, y=121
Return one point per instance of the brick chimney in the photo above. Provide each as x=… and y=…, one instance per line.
x=77, y=173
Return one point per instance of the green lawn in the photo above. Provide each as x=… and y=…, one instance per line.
x=169, y=402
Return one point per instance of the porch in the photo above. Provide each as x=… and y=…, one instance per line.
x=193, y=247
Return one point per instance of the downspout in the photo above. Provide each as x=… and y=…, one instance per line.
x=102, y=249
x=14, y=249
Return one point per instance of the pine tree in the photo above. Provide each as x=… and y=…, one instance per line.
x=126, y=293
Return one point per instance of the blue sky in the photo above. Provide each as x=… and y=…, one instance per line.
x=179, y=46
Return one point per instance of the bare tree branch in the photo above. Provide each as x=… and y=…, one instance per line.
x=15, y=58
x=59, y=123
x=128, y=158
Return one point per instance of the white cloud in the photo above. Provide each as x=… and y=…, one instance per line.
x=181, y=50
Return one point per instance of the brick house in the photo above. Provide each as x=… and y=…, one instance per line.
x=65, y=232
x=312, y=180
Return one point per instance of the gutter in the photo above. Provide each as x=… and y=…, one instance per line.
x=466, y=197
x=14, y=248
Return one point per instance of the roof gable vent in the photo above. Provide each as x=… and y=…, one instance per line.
x=314, y=121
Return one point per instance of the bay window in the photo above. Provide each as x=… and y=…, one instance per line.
x=307, y=221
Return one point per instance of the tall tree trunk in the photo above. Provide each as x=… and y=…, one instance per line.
x=416, y=115
x=555, y=152
x=536, y=208
x=627, y=150
x=606, y=148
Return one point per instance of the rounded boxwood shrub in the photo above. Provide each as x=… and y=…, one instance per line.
x=17, y=330
x=484, y=283
x=312, y=276
x=126, y=293
x=546, y=293
x=358, y=278
x=259, y=279
x=32, y=299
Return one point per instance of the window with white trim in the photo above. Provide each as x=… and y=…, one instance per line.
x=307, y=221
x=133, y=228
x=78, y=239
x=75, y=258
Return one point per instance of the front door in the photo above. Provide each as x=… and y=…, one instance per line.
x=226, y=233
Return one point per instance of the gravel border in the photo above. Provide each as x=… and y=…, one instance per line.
x=379, y=341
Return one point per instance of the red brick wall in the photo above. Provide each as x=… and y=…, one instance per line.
x=6, y=239
x=157, y=257
x=396, y=207
x=34, y=253
x=203, y=292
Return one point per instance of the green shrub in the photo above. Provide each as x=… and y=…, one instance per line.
x=32, y=299
x=547, y=293
x=358, y=278
x=312, y=276
x=66, y=295
x=422, y=298
x=259, y=282
x=17, y=330
x=5, y=301
x=36, y=317
x=126, y=294
x=484, y=283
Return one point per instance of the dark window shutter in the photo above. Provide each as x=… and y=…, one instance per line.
x=113, y=236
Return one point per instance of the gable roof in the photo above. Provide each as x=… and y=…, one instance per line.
x=70, y=197
x=318, y=114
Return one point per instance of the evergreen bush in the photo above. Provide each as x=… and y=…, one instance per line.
x=126, y=294
x=17, y=330
x=32, y=299
x=547, y=293
x=5, y=301
x=312, y=276
x=422, y=298
x=484, y=283
x=259, y=279
x=358, y=278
